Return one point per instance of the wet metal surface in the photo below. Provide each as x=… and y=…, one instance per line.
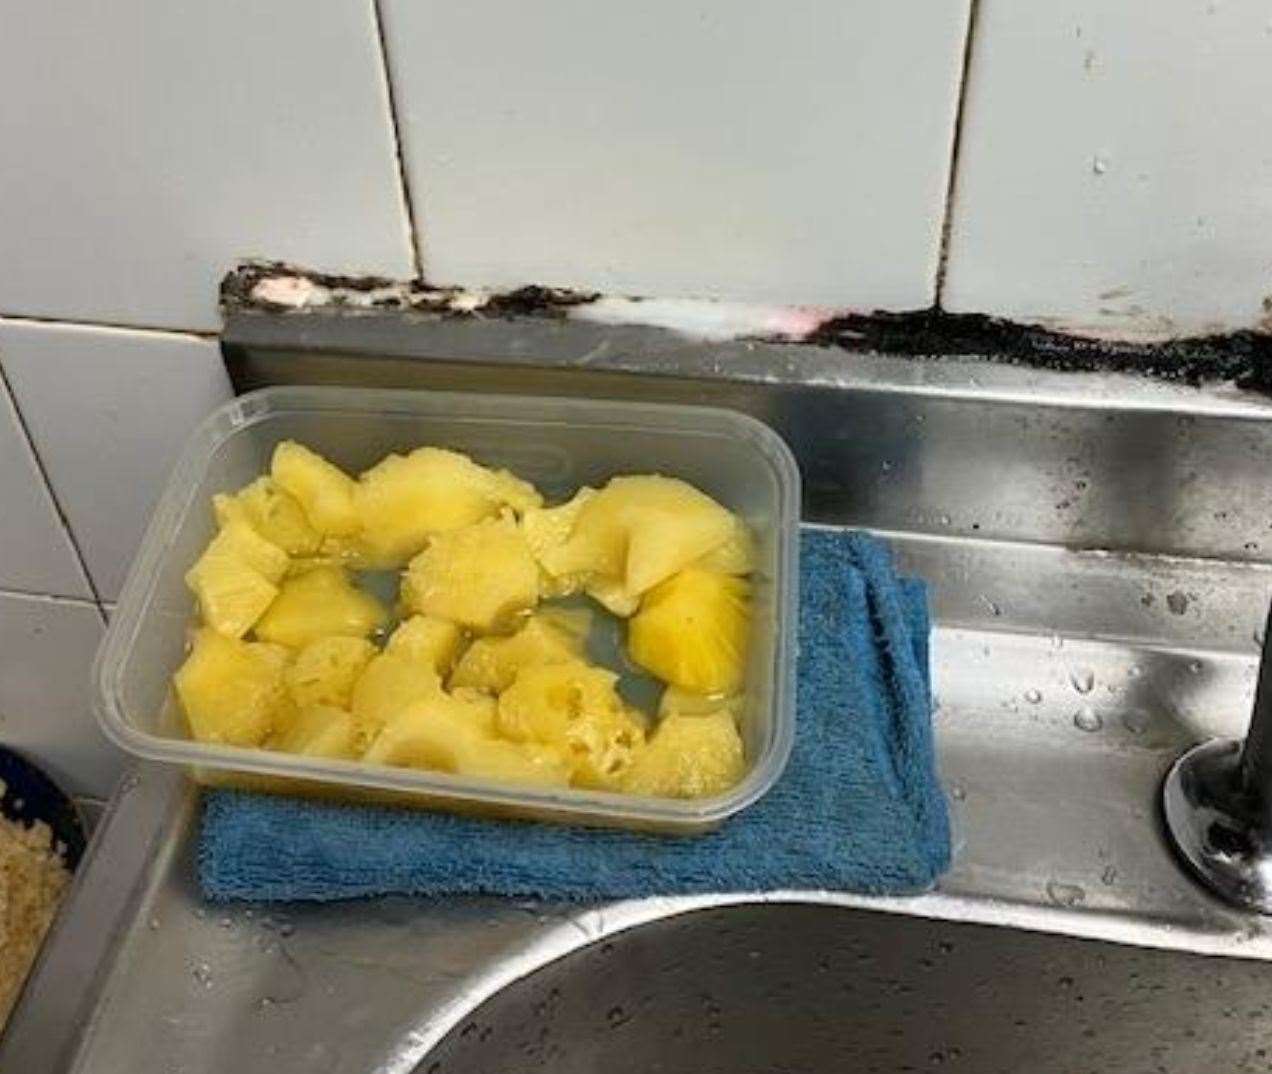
x=1098, y=550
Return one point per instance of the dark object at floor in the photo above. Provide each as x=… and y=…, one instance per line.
x=30, y=796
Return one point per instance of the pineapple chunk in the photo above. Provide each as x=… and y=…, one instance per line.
x=678, y=702
x=319, y=731
x=325, y=671
x=575, y=708
x=234, y=578
x=435, y=642
x=692, y=631
x=319, y=604
x=480, y=576
x=492, y=663
x=688, y=757
x=546, y=530
x=273, y=513
x=736, y=555
x=325, y=492
x=640, y=530
x=441, y=737
x=237, y=540
x=232, y=691
x=613, y=597
x=391, y=683
x=576, y=622
x=404, y=499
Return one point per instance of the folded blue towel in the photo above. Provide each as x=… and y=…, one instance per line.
x=858, y=809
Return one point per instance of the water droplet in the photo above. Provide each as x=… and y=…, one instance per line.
x=1065, y=982
x=1057, y=642
x=1087, y=719
x=1034, y=697
x=286, y=928
x=1082, y=680
x=1067, y=895
x=886, y=466
x=1134, y=672
x=1136, y=721
x=202, y=973
x=958, y=792
x=946, y=520
x=1109, y=875
x=1099, y=164
x=153, y=923
x=226, y=923
x=1195, y=667
x=615, y=1016
x=993, y=608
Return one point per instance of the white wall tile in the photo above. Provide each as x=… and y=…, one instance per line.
x=148, y=146
x=1115, y=171
x=109, y=410
x=776, y=152
x=35, y=553
x=46, y=652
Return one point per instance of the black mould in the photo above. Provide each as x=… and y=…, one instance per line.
x=1244, y=357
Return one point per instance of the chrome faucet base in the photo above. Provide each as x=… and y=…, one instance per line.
x=1219, y=828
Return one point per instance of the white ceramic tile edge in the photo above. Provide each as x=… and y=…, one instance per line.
x=88, y=592
x=20, y=321
x=406, y=203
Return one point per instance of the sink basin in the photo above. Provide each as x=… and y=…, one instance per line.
x=1098, y=548
x=766, y=989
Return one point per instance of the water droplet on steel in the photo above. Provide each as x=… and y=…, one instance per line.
x=1068, y=895
x=1087, y=719
x=1082, y=680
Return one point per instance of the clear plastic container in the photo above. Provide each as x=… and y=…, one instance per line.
x=559, y=444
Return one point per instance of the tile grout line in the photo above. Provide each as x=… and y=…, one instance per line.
x=404, y=184
x=110, y=326
x=28, y=594
x=951, y=188
x=52, y=493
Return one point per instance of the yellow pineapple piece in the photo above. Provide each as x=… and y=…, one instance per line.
x=232, y=691
x=481, y=576
x=575, y=708
x=319, y=604
x=613, y=597
x=640, y=530
x=546, y=530
x=692, y=631
x=434, y=642
x=324, y=491
x=688, y=757
x=677, y=701
x=390, y=683
x=325, y=670
x=492, y=663
x=234, y=578
x=443, y=737
x=574, y=621
x=319, y=731
x=273, y=513
x=404, y=499
x=735, y=555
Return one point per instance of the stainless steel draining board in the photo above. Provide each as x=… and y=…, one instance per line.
x=1098, y=550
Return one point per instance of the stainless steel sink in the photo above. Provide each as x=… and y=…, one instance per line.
x=770, y=989
x=1099, y=552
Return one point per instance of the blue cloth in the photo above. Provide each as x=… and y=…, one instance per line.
x=858, y=809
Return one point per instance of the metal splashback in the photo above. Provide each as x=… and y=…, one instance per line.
x=1098, y=550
